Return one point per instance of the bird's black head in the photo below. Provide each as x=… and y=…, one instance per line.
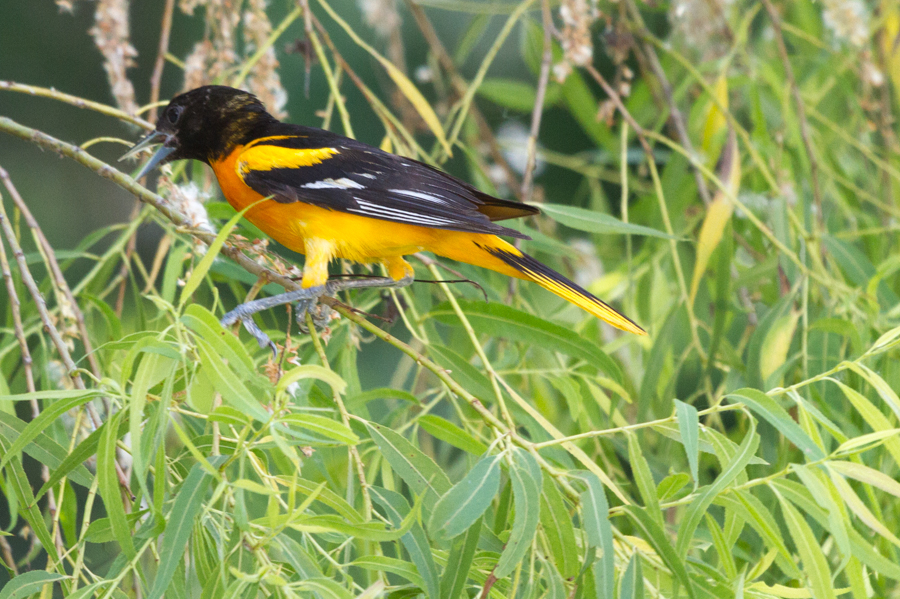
x=203, y=124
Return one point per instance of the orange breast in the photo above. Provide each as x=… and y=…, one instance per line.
x=354, y=237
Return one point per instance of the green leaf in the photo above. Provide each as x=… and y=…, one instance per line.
x=228, y=384
x=698, y=506
x=360, y=399
x=632, y=583
x=29, y=583
x=47, y=451
x=644, y=478
x=312, y=371
x=654, y=534
x=689, y=427
x=509, y=93
x=813, y=559
x=463, y=372
x=179, y=523
x=597, y=222
x=393, y=565
x=47, y=416
x=774, y=414
x=557, y=525
x=108, y=486
x=205, y=324
x=466, y=501
x=415, y=541
x=525, y=475
x=212, y=251
x=325, y=588
x=320, y=425
x=498, y=320
x=671, y=485
x=450, y=433
x=459, y=562
x=419, y=471
x=595, y=514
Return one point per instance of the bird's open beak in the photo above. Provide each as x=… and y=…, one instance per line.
x=156, y=137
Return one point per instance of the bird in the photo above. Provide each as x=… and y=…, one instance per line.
x=328, y=196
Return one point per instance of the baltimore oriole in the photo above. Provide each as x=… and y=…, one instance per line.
x=334, y=197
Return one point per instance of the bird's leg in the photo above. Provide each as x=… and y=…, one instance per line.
x=320, y=312
x=245, y=311
x=306, y=300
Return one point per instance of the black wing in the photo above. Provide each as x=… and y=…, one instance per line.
x=338, y=173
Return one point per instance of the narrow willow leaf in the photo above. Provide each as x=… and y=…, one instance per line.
x=558, y=528
x=326, y=588
x=311, y=371
x=320, y=425
x=293, y=553
x=644, y=478
x=776, y=344
x=29, y=583
x=509, y=93
x=598, y=222
x=48, y=415
x=866, y=475
x=179, y=523
x=325, y=496
x=498, y=320
x=371, y=531
x=873, y=417
x=718, y=213
x=47, y=451
x=778, y=417
x=655, y=535
x=632, y=584
x=689, y=427
x=827, y=497
x=450, y=433
x=453, y=581
x=416, y=469
x=862, y=512
x=671, y=485
x=359, y=399
x=108, y=486
x=556, y=589
x=203, y=322
x=525, y=475
x=595, y=520
x=393, y=565
x=467, y=500
x=228, y=384
x=716, y=121
x=707, y=494
x=212, y=251
x=153, y=369
x=473, y=379
x=416, y=543
x=814, y=563
x=17, y=480
x=723, y=549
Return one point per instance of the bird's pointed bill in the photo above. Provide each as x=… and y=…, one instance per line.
x=161, y=154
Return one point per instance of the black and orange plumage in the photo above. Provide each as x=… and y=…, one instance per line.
x=331, y=197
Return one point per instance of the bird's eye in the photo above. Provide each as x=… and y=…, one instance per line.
x=174, y=113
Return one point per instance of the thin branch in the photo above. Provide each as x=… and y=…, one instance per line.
x=801, y=110
x=156, y=77
x=675, y=114
x=538, y=110
x=34, y=90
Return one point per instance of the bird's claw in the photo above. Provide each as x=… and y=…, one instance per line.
x=319, y=313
